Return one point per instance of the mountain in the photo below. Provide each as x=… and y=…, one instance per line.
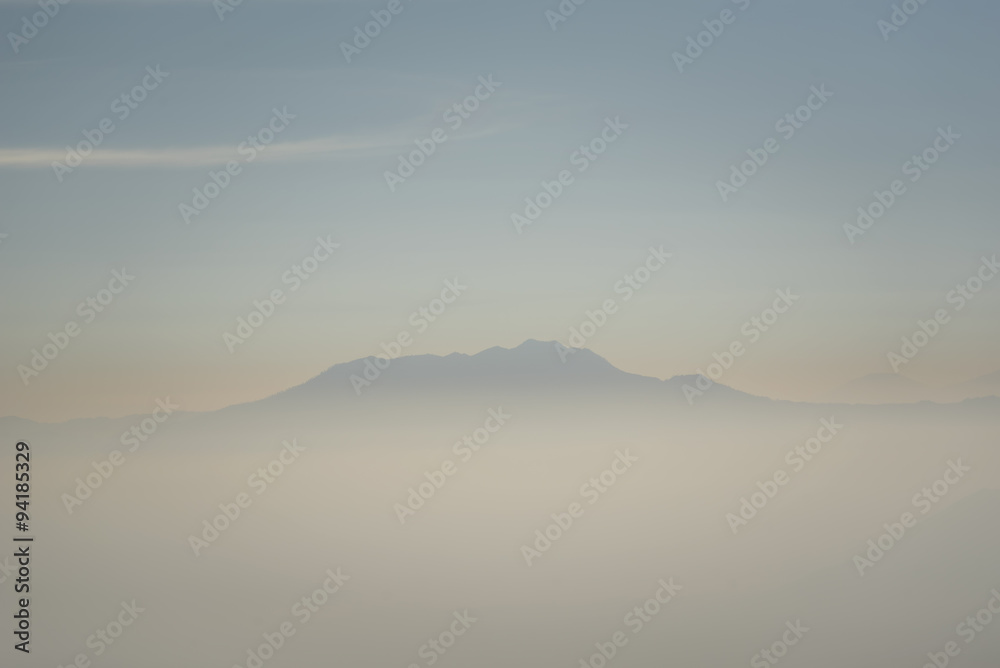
x=544, y=371
x=891, y=388
x=532, y=368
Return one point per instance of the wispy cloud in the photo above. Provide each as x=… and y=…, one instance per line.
x=208, y=156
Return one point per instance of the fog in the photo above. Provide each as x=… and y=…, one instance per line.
x=668, y=516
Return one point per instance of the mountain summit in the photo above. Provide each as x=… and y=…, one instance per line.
x=531, y=365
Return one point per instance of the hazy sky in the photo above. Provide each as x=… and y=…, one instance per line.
x=324, y=176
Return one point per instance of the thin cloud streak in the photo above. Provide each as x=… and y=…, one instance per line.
x=210, y=156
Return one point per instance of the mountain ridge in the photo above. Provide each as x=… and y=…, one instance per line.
x=533, y=364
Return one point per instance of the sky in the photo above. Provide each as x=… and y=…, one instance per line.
x=389, y=247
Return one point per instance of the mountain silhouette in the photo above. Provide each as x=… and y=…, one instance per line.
x=532, y=367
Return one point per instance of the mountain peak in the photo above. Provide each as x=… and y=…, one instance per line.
x=531, y=365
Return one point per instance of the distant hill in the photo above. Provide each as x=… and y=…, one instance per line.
x=890, y=388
